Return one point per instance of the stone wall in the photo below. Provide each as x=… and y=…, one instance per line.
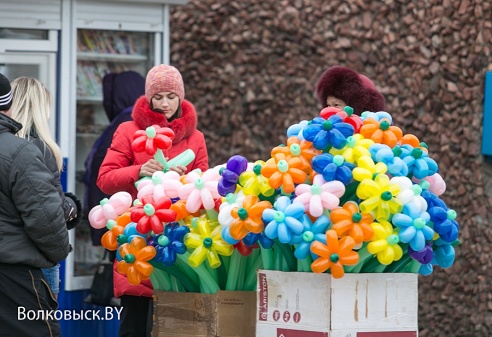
x=250, y=68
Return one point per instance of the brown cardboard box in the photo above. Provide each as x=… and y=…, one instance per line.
x=224, y=314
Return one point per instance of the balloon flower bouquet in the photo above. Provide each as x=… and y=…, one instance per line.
x=345, y=194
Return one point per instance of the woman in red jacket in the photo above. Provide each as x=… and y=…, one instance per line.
x=163, y=105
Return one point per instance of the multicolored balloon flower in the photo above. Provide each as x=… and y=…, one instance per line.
x=345, y=194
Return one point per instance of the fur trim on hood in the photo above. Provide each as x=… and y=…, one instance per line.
x=183, y=126
x=356, y=90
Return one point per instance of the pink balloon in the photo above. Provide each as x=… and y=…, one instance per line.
x=319, y=196
x=109, y=209
x=161, y=184
x=201, y=190
x=437, y=183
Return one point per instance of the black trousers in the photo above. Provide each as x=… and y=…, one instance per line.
x=24, y=293
x=136, y=316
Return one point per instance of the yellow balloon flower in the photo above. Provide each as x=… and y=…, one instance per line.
x=385, y=243
x=367, y=169
x=379, y=197
x=254, y=183
x=206, y=244
x=357, y=146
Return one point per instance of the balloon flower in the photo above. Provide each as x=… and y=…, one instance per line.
x=334, y=254
x=342, y=194
x=109, y=209
x=134, y=263
x=151, y=215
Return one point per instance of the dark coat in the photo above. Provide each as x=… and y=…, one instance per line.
x=120, y=91
x=32, y=225
x=71, y=204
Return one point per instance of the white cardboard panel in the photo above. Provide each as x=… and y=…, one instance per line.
x=316, y=305
x=375, y=301
x=294, y=300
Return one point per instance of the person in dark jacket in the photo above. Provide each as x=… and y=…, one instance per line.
x=120, y=91
x=340, y=86
x=33, y=231
x=31, y=106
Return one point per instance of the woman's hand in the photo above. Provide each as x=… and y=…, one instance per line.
x=150, y=167
x=179, y=169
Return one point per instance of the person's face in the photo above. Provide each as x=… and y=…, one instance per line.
x=332, y=101
x=165, y=103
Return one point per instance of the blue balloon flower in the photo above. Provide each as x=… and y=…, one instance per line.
x=420, y=165
x=331, y=132
x=382, y=153
x=170, y=243
x=414, y=226
x=296, y=129
x=312, y=232
x=252, y=238
x=333, y=168
x=284, y=219
x=444, y=223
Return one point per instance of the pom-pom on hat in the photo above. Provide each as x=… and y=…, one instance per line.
x=356, y=90
x=5, y=93
x=164, y=78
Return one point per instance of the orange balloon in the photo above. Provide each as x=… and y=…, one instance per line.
x=109, y=239
x=348, y=221
x=381, y=131
x=334, y=255
x=134, y=263
x=284, y=171
x=248, y=217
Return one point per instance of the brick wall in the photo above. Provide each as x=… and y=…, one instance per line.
x=250, y=68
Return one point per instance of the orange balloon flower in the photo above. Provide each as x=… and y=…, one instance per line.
x=413, y=141
x=283, y=171
x=381, y=131
x=348, y=221
x=301, y=149
x=248, y=217
x=181, y=212
x=134, y=263
x=109, y=240
x=334, y=255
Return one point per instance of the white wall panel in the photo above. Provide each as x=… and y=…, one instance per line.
x=117, y=16
x=30, y=14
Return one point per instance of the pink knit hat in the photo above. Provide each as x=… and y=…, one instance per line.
x=164, y=78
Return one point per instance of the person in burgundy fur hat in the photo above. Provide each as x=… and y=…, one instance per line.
x=163, y=104
x=339, y=86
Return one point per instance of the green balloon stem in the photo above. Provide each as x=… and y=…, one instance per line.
x=233, y=274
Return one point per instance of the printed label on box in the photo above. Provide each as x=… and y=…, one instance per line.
x=262, y=297
x=300, y=333
x=388, y=334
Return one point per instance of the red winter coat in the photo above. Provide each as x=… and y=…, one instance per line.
x=121, y=166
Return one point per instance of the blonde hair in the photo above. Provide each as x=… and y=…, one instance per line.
x=31, y=106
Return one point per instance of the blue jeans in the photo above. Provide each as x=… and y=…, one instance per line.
x=52, y=275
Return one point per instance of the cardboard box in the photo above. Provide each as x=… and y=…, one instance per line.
x=294, y=304
x=224, y=314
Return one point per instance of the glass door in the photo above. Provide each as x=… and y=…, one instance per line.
x=33, y=64
x=99, y=52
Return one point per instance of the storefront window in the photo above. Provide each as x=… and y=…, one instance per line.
x=23, y=34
